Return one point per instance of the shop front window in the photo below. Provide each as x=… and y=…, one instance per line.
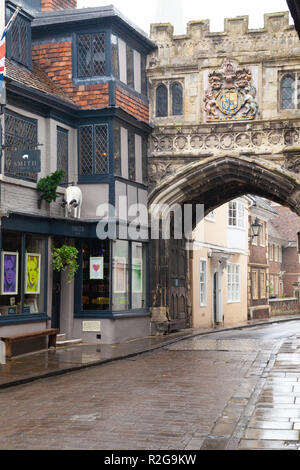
x=95, y=271
x=34, y=274
x=120, y=299
x=138, y=272
x=23, y=261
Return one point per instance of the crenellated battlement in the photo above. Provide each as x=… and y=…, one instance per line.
x=238, y=26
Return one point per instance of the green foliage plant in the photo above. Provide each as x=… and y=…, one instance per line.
x=65, y=259
x=48, y=185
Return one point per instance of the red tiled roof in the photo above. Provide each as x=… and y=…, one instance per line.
x=287, y=224
x=36, y=79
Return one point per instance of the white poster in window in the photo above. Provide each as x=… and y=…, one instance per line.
x=96, y=268
x=137, y=275
x=119, y=275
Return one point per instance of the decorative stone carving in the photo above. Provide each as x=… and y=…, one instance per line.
x=231, y=94
x=193, y=139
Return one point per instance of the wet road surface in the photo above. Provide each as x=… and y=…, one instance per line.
x=230, y=390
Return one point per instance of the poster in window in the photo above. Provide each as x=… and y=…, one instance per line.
x=9, y=273
x=96, y=267
x=33, y=273
x=137, y=275
x=120, y=275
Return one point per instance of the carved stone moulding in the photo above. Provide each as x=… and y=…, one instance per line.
x=212, y=139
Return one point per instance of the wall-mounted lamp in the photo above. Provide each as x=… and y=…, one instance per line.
x=256, y=229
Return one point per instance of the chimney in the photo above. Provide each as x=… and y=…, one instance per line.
x=52, y=5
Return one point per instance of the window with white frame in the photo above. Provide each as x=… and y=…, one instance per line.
x=270, y=252
x=236, y=214
x=203, y=282
x=262, y=233
x=262, y=284
x=233, y=282
x=275, y=253
x=211, y=216
x=254, y=284
x=129, y=65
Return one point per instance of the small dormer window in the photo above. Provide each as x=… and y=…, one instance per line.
x=19, y=40
x=91, y=55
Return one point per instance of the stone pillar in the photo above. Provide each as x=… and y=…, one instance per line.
x=2, y=353
x=66, y=307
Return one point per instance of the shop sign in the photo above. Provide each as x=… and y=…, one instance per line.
x=26, y=160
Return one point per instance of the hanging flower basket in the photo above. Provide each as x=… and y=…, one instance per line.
x=64, y=259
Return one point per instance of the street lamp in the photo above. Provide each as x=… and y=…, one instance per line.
x=256, y=228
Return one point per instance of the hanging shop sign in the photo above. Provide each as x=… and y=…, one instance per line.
x=25, y=161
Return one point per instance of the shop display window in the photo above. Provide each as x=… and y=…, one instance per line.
x=120, y=298
x=95, y=272
x=138, y=273
x=34, y=274
x=23, y=261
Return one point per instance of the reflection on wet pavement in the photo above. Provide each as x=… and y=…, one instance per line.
x=242, y=345
x=275, y=422
x=44, y=363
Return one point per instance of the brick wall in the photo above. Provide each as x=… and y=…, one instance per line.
x=50, y=5
x=260, y=314
x=291, y=266
x=56, y=60
x=258, y=254
x=132, y=104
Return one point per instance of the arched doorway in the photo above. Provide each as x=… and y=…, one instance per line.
x=210, y=182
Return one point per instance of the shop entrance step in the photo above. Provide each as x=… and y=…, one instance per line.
x=62, y=341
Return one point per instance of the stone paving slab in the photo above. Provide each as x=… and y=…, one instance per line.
x=275, y=423
x=23, y=369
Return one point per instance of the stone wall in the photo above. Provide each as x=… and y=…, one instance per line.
x=270, y=136
x=288, y=306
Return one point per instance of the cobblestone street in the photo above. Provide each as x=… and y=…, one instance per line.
x=190, y=395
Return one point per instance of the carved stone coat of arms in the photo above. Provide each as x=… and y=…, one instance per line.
x=231, y=94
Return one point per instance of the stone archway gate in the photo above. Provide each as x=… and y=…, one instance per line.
x=239, y=131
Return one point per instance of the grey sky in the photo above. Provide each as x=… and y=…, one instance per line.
x=179, y=12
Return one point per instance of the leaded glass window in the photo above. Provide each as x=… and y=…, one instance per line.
x=20, y=134
x=144, y=74
x=115, y=56
x=101, y=149
x=86, y=150
x=145, y=159
x=130, y=66
x=19, y=41
x=62, y=152
x=91, y=55
x=161, y=101
x=177, y=99
x=117, y=150
x=288, y=92
x=93, y=148
x=131, y=156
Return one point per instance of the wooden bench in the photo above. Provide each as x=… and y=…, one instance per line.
x=9, y=340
